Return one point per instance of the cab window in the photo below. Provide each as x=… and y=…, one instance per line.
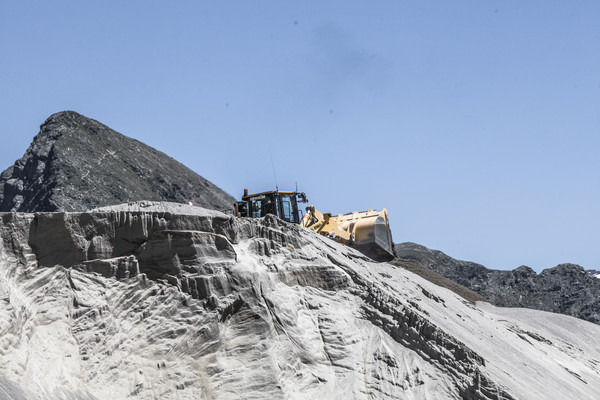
x=287, y=213
x=256, y=208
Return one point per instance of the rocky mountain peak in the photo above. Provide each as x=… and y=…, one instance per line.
x=525, y=270
x=566, y=268
x=76, y=163
x=68, y=119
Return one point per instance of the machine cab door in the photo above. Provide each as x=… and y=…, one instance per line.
x=286, y=209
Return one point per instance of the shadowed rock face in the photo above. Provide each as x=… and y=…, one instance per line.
x=565, y=289
x=122, y=302
x=76, y=163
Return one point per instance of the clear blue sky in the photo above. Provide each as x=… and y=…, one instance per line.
x=475, y=123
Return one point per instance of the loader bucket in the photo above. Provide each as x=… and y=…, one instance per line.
x=370, y=232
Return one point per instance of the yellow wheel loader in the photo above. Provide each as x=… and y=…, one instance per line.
x=367, y=231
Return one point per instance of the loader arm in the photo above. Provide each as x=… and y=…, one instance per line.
x=325, y=224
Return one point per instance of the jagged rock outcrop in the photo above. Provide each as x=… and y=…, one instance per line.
x=163, y=301
x=565, y=289
x=76, y=163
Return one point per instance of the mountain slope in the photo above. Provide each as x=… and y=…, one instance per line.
x=76, y=163
x=565, y=289
x=171, y=301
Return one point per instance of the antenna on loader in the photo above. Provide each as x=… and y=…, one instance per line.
x=274, y=174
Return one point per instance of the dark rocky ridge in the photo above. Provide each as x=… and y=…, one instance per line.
x=565, y=289
x=76, y=163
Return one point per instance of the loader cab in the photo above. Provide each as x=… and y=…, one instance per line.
x=283, y=204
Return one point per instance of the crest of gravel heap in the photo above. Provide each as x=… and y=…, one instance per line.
x=76, y=163
x=565, y=289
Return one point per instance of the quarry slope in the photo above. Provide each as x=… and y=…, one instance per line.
x=566, y=289
x=161, y=301
x=76, y=163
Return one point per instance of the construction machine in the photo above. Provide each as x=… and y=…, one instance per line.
x=367, y=231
